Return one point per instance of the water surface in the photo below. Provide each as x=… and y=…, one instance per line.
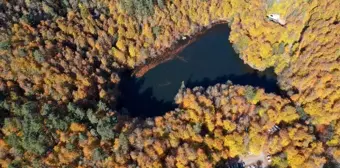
x=208, y=61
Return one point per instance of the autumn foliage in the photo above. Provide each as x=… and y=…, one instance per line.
x=60, y=64
x=209, y=125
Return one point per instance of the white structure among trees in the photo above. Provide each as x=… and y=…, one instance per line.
x=276, y=18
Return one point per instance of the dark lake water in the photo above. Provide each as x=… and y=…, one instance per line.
x=208, y=61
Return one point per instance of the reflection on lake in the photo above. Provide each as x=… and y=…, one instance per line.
x=208, y=61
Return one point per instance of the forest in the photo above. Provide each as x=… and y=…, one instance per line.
x=61, y=64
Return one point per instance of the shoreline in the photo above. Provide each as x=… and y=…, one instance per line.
x=171, y=52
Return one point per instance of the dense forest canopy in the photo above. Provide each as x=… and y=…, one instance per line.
x=60, y=64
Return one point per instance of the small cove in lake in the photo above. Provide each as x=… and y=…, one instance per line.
x=209, y=60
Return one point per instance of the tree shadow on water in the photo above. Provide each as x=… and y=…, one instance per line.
x=255, y=79
x=141, y=104
x=145, y=104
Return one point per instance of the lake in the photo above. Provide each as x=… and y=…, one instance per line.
x=209, y=60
